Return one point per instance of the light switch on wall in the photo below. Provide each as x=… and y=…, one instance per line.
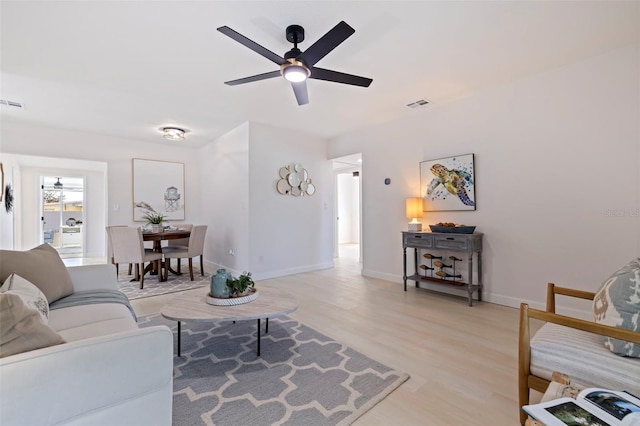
x=116, y=207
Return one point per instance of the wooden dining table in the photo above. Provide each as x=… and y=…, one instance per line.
x=157, y=238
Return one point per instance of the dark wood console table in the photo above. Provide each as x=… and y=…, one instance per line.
x=435, y=241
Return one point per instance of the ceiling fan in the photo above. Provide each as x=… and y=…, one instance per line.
x=297, y=66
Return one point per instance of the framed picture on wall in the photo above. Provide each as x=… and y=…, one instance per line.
x=158, y=186
x=448, y=184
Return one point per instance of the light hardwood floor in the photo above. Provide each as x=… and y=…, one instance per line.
x=462, y=361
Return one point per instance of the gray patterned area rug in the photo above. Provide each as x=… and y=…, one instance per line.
x=301, y=378
x=152, y=287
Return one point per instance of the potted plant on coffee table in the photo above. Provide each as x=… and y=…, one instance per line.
x=241, y=286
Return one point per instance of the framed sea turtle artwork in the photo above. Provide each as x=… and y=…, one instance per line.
x=448, y=184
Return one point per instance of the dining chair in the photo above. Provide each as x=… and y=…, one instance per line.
x=182, y=243
x=195, y=248
x=110, y=250
x=128, y=247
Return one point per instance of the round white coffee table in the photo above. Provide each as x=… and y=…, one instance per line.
x=193, y=307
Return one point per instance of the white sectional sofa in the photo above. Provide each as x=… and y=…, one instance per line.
x=109, y=371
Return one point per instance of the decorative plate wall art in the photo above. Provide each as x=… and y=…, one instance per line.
x=294, y=180
x=448, y=184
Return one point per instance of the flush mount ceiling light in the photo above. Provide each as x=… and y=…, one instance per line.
x=173, y=133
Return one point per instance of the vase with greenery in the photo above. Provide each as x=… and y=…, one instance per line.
x=155, y=220
x=242, y=285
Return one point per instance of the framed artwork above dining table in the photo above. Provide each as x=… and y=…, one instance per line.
x=158, y=187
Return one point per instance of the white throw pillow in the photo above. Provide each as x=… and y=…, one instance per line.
x=29, y=293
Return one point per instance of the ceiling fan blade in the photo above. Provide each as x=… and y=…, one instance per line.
x=252, y=45
x=339, y=77
x=257, y=77
x=300, y=89
x=326, y=44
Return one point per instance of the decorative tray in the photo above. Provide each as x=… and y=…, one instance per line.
x=232, y=301
x=453, y=229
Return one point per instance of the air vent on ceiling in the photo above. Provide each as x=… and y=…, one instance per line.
x=418, y=104
x=11, y=103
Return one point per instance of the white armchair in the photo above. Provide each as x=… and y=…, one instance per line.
x=571, y=346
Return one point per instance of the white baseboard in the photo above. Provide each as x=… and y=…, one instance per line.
x=381, y=276
x=489, y=297
x=272, y=274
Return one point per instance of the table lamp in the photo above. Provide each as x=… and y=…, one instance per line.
x=414, y=212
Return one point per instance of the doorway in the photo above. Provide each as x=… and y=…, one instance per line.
x=63, y=214
x=348, y=225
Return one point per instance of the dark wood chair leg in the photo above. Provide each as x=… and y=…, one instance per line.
x=140, y=267
x=191, y=269
x=130, y=268
x=201, y=266
x=179, y=271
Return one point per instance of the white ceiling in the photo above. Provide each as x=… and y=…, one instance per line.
x=126, y=68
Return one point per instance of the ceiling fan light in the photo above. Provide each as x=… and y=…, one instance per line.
x=295, y=74
x=295, y=71
x=173, y=133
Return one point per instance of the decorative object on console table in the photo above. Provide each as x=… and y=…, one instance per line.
x=414, y=212
x=429, y=268
x=468, y=243
x=448, y=183
x=452, y=228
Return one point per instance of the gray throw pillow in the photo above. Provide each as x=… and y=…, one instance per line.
x=617, y=304
x=21, y=327
x=42, y=267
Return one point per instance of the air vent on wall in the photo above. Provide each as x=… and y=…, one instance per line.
x=11, y=103
x=418, y=104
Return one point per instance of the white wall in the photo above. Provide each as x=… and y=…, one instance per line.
x=271, y=234
x=288, y=234
x=557, y=176
x=224, y=173
x=27, y=205
x=66, y=150
x=228, y=186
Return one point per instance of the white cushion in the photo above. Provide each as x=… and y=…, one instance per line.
x=81, y=322
x=29, y=293
x=583, y=357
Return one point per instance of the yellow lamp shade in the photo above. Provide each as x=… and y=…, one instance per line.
x=414, y=208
